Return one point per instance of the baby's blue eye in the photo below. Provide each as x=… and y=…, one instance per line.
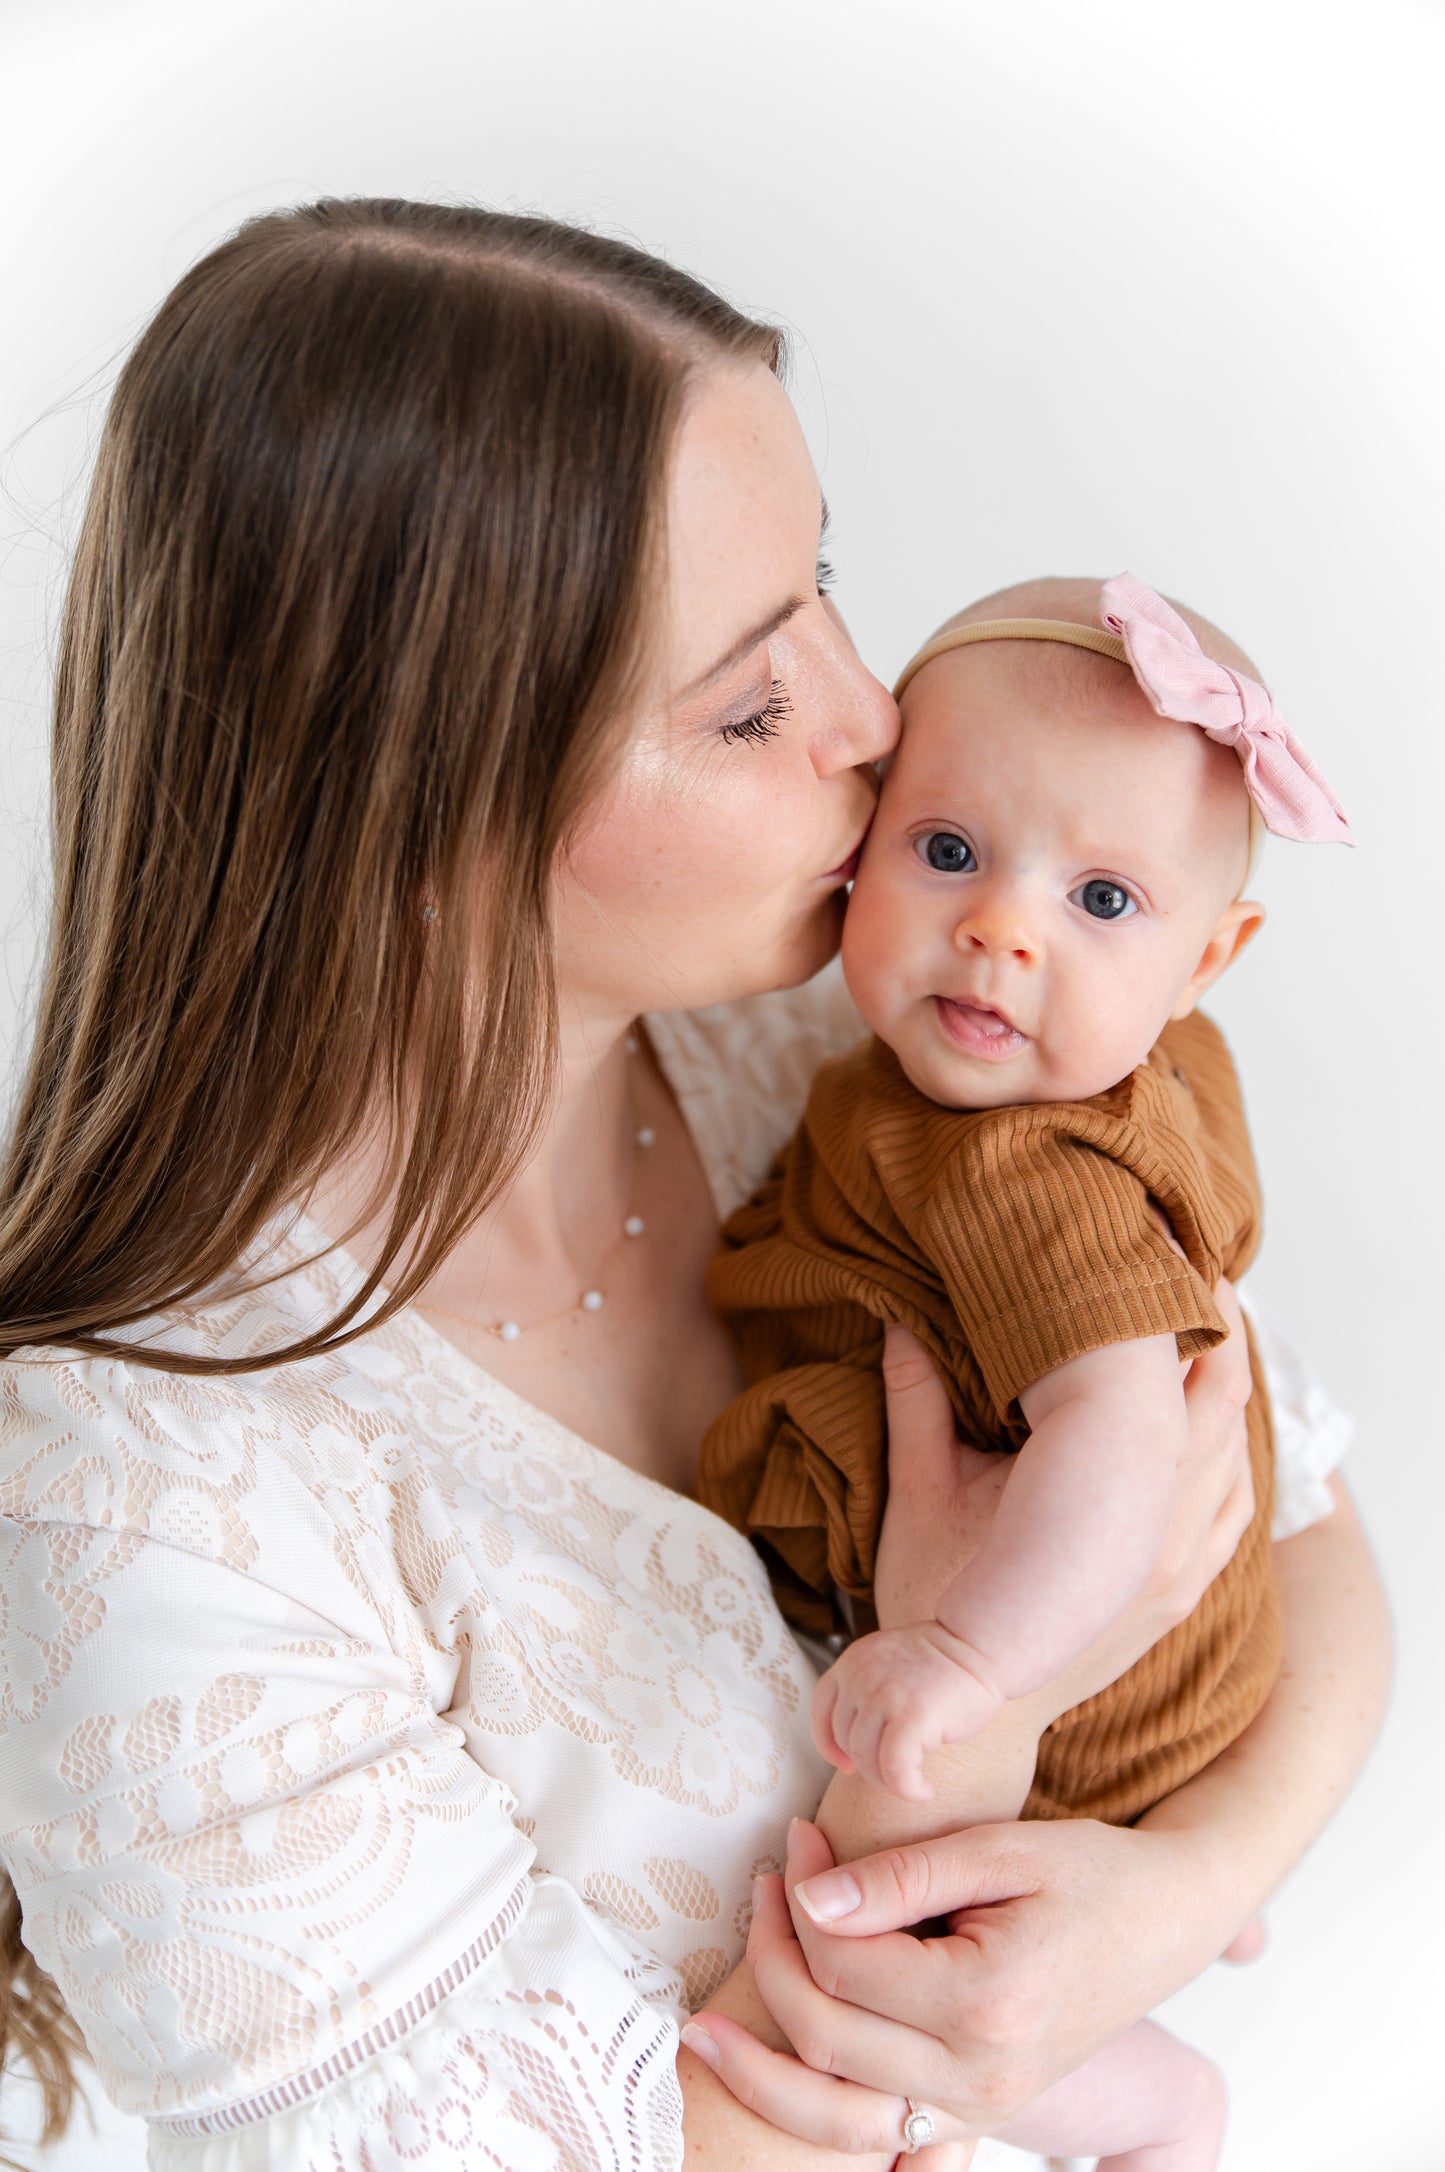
x=1104, y=900
x=947, y=851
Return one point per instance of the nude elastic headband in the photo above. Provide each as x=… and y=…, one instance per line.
x=1013, y=629
x=1177, y=679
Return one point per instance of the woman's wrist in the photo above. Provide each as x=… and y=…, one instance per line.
x=1229, y=1856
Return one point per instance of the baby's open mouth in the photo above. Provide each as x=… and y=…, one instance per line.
x=978, y=1029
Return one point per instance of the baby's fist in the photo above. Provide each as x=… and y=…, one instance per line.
x=894, y=1696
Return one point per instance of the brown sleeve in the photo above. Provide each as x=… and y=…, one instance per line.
x=1048, y=1247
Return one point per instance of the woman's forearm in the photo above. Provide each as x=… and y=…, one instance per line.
x=1256, y=1809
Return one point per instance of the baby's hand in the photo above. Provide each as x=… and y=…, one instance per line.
x=894, y=1696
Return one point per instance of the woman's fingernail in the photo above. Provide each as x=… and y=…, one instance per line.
x=827, y=1897
x=705, y=2047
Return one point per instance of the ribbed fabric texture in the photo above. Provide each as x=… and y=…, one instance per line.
x=1008, y=1240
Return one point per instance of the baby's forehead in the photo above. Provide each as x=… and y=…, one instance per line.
x=1013, y=691
x=1051, y=726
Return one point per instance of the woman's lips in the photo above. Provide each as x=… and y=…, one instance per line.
x=847, y=869
x=978, y=1030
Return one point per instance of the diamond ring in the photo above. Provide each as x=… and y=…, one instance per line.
x=917, y=2129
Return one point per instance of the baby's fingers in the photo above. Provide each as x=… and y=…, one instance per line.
x=898, y=1762
x=823, y=1716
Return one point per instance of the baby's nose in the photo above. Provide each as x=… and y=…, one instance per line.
x=996, y=927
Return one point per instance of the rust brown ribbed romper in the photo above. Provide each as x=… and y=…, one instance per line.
x=1008, y=1240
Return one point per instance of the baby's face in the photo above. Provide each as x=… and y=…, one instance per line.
x=1046, y=869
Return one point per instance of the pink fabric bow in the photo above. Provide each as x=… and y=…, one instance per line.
x=1180, y=681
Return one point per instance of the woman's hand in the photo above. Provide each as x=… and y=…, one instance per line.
x=1034, y=1978
x=802, y=2095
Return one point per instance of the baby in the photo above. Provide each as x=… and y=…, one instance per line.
x=1039, y=1165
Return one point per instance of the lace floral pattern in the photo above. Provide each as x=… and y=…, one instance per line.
x=433, y=1647
x=383, y=1768
x=502, y=2076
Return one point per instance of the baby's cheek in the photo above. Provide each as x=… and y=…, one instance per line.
x=1099, y=1031
x=870, y=959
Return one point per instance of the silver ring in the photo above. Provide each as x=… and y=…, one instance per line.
x=917, y=2129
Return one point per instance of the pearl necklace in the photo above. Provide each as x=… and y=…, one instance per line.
x=589, y=1300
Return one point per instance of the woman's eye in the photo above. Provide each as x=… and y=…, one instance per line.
x=763, y=723
x=947, y=851
x=1103, y=900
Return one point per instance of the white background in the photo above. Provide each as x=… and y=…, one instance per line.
x=1139, y=283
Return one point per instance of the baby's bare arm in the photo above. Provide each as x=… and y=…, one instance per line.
x=1081, y=1520
x=1077, y=1533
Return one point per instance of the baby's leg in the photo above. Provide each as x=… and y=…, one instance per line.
x=1145, y=2103
x=1250, y=1943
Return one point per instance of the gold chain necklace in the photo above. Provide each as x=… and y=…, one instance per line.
x=594, y=1297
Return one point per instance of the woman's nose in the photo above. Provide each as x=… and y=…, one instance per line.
x=997, y=926
x=876, y=724
x=862, y=714
x=861, y=729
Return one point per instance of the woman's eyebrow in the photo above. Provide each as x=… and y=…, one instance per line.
x=745, y=644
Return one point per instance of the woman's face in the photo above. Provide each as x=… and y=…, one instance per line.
x=712, y=863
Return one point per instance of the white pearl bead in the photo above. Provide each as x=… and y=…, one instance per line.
x=509, y=1331
x=646, y=1136
x=633, y=1226
x=592, y=1300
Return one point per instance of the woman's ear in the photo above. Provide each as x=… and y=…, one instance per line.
x=1236, y=925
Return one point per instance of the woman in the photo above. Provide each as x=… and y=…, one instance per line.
x=391, y=1741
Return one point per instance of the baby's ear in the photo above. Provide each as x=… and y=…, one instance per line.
x=1236, y=925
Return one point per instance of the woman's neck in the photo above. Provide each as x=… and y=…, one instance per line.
x=565, y=1209
x=644, y=1374
x=542, y=1242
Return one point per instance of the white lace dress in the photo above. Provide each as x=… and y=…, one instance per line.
x=383, y=1768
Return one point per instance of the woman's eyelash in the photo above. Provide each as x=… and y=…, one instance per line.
x=826, y=575
x=764, y=722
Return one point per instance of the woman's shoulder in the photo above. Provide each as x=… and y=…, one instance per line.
x=274, y=1471
x=741, y=1072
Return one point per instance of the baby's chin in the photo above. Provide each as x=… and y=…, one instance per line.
x=953, y=1079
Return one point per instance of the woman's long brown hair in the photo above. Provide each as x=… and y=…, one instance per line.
x=358, y=602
